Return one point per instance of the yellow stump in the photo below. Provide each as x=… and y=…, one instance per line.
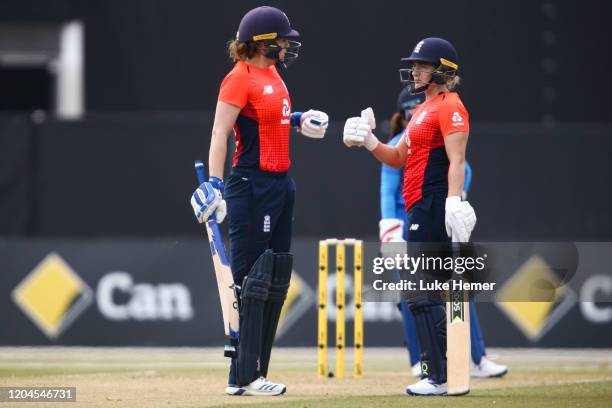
x=322, y=311
x=358, y=320
x=340, y=321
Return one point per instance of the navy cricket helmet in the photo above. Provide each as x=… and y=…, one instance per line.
x=267, y=24
x=407, y=101
x=436, y=51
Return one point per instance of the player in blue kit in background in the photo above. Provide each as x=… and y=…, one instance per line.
x=393, y=228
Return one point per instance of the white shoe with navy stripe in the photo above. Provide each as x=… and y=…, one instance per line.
x=260, y=386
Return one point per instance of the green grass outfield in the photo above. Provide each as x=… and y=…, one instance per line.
x=169, y=377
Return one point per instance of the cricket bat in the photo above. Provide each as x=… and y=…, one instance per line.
x=223, y=272
x=458, y=354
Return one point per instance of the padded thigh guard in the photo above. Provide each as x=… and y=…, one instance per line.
x=281, y=277
x=430, y=321
x=254, y=293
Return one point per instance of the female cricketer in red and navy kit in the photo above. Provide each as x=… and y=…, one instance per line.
x=258, y=195
x=393, y=228
x=432, y=152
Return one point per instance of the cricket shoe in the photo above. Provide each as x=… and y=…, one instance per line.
x=488, y=369
x=260, y=386
x=426, y=387
x=415, y=370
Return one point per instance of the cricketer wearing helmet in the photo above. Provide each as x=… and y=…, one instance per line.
x=393, y=228
x=432, y=152
x=258, y=195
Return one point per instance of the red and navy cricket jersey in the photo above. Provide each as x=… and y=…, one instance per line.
x=263, y=125
x=426, y=169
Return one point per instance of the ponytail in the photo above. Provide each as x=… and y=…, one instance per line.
x=453, y=83
x=241, y=51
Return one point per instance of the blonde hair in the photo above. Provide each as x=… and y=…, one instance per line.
x=453, y=82
x=241, y=51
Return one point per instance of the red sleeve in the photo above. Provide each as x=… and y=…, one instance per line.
x=235, y=89
x=453, y=117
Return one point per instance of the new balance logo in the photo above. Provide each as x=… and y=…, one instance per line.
x=414, y=227
x=421, y=117
x=268, y=90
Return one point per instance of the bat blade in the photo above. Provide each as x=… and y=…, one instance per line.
x=458, y=343
x=225, y=280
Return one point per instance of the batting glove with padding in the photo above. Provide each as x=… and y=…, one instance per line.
x=358, y=130
x=460, y=219
x=312, y=123
x=207, y=201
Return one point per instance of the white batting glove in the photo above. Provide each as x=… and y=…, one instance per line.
x=391, y=233
x=358, y=131
x=221, y=211
x=355, y=132
x=460, y=219
x=313, y=123
x=391, y=230
x=368, y=113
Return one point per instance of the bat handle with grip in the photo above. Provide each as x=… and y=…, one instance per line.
x=201, y=173
x=199, y=167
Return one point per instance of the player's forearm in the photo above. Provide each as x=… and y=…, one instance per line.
x=217, y=154
x=388, y=155
x=456, y=177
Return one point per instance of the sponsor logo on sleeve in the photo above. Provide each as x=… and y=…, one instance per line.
x=457, y=119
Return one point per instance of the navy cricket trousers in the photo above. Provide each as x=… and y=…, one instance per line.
x=425, y=219
x=260, y=216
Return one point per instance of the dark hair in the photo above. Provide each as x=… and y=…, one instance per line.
x=241, y=51
x=398, y=123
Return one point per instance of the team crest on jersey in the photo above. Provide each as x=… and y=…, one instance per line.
x=266, y=224
x=268, y=90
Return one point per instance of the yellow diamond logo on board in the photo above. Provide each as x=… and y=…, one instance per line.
x=300, y=298
x=534, y=299
x=53, y=295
